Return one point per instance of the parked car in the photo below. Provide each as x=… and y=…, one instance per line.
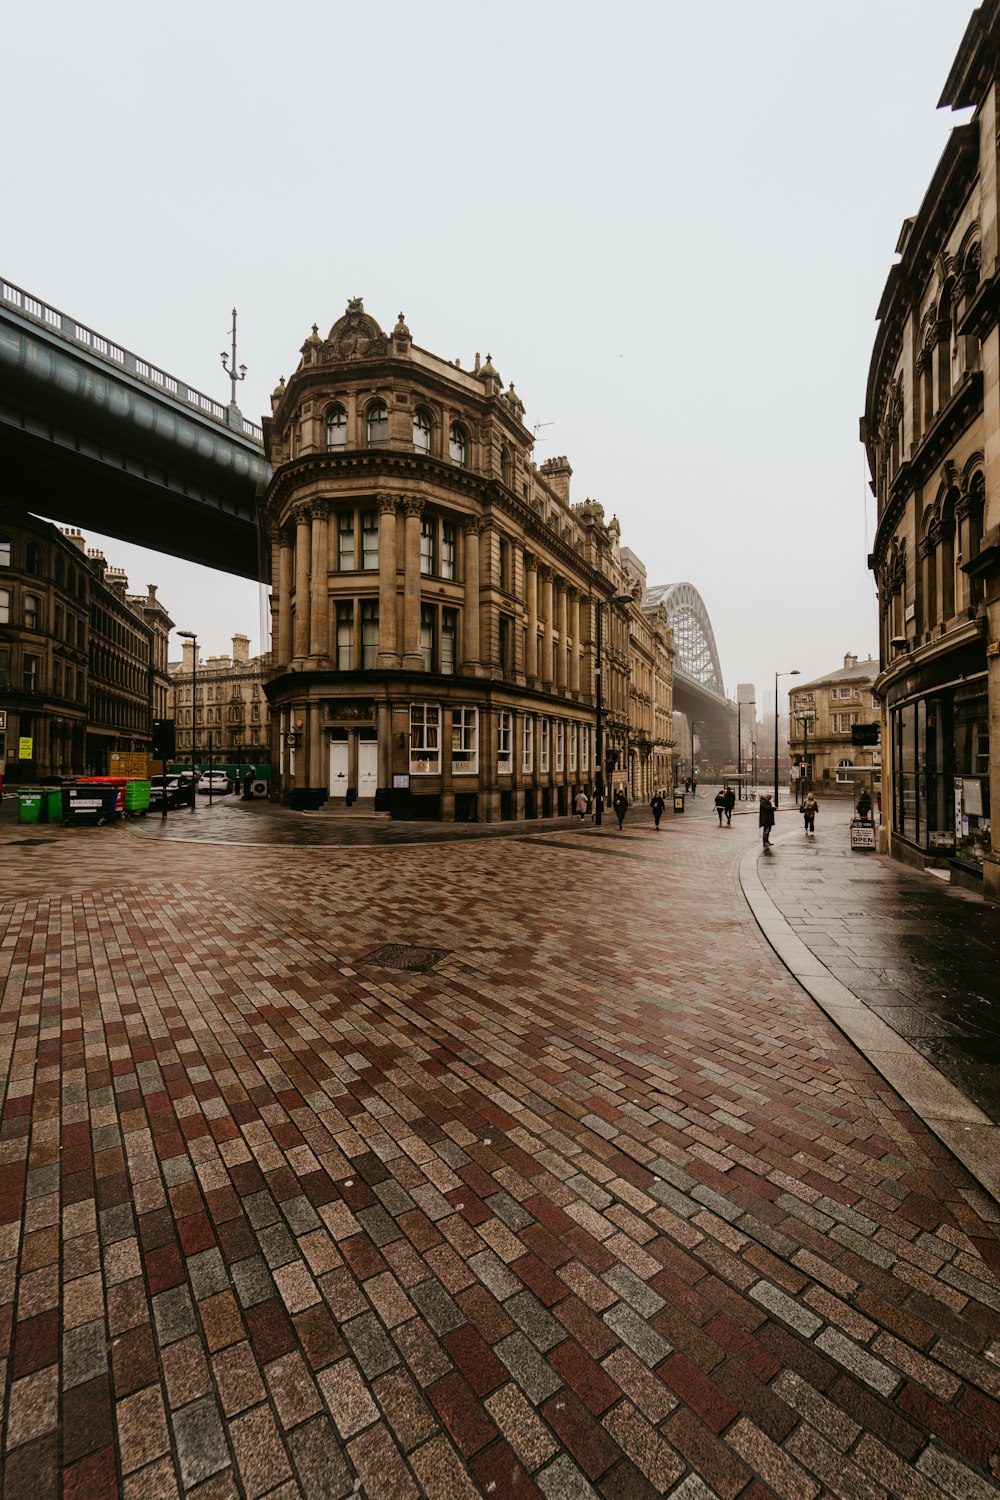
x=179, y=791
x=216, y=782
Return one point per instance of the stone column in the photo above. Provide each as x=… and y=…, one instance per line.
x=317, y=775
x=548, y=639
x=319, y=602
x=562, y=667
x=303, y=546
x=388, y=655
x=576, y=655
x=531, y=578
x=285, y=570
x=413, y=660
x=470, y=633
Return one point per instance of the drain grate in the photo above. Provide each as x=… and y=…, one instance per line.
x=403, y=956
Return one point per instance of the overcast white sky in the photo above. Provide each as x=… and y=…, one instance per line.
x=670, y=223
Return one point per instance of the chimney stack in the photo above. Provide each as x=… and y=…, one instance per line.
x=557, y=472
x=241, y=649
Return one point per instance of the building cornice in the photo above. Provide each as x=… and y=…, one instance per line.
x=951, y=422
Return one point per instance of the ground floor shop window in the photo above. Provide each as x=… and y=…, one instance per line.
x=465, y=741
x=425, y=741
x=940, y=790
x=505, y=736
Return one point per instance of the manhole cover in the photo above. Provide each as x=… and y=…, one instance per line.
x=403, y=956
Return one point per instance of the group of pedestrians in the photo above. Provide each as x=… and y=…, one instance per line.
x=620, y=804
x=725, y=801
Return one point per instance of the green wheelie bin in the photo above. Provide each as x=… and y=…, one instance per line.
x=29, y=805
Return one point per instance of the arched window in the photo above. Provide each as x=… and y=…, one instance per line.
x=31, y=611
x=845, y=770
x=336, y=427
x=423, y=426
x=458, y=445
x=377, y=425
x=4, y=551
x=506, y=467
x=32, y=558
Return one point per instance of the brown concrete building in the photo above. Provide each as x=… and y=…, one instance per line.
x=932, y=431
x=437, y=595
x=823, y=715
x=78, y=673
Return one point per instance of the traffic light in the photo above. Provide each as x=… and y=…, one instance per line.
x=802, y=767
x=164, y=739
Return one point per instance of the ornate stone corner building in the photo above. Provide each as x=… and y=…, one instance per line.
x=932, y=432
x=435, y=595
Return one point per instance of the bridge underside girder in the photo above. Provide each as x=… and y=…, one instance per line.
x=71, y=478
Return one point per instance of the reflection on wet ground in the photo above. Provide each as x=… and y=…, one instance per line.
x=922, y=954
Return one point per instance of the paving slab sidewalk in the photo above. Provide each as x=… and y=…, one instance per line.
x=906, y=964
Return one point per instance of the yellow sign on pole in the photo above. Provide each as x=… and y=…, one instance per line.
x=25, y=748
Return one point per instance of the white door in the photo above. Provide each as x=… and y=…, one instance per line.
x=367, y=768
x=338, y=768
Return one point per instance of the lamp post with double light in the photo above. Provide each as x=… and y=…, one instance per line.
x=793, y=673
x=190, y=635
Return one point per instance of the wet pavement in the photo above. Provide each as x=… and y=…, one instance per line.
x=517, y=1165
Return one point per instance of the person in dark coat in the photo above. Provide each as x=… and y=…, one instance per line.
x=865, y=804
x=620, y=805
x=766, y=818
x=720, y=804
x=810, y=807
x=730, y=804
x=248, y=776
x=657, y=805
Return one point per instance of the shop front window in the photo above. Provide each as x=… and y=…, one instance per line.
x=971, y=781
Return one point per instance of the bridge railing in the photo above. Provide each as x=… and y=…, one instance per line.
x=113, y=354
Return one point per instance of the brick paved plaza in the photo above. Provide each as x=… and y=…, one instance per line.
x=510, y=1166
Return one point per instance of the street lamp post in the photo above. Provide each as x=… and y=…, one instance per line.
x=793, y=673
x=190, y=635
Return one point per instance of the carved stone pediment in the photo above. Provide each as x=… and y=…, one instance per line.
x=354, y=336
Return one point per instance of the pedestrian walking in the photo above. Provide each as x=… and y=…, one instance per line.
x=620, y=805
x=657, y=805
x=810, y=807
x=730, y=804
x=720, y=804
x=865, y=804
x=766, y=818
x=582, y=803
x=687, y=783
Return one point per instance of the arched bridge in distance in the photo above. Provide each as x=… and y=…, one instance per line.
x=699, y=693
